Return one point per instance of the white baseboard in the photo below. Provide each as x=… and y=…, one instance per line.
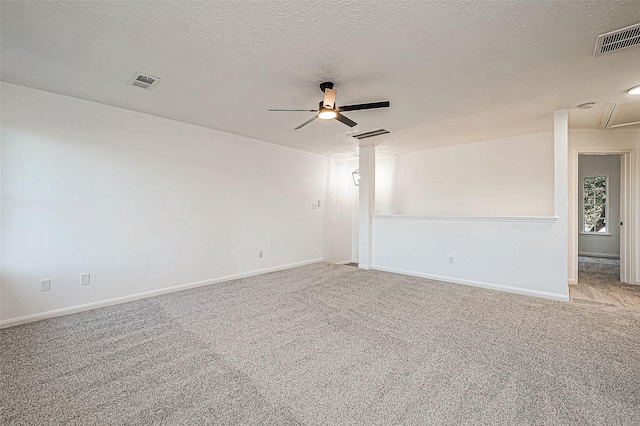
x=344, y=262
x=572, y=281
x=366, y=267
x=527, y=292
x=115, y=301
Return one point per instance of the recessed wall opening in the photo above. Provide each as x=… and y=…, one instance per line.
x=599, y=218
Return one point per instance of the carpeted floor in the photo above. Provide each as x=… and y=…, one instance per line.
x=327, y=344
x=605, y=290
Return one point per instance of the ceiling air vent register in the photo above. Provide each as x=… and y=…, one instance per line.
x=370, y=134
x=144, y=81
x=617, y=40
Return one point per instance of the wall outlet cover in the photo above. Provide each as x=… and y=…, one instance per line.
x=85, y=279
x=45, y=285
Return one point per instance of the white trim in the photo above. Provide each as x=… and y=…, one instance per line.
x=572, y=281
x=363, y=266
x=344, y=262
x=366, y=201
x=526, y=292
x=116, y=301
x=543, y=219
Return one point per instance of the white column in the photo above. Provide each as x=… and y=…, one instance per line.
x=560, y=162
x=561, y=181
x=367, y=203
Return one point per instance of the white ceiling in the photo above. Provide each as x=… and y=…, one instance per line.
x=455, y=72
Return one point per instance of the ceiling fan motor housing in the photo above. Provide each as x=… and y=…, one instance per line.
x=329, y=100
x=326, y=85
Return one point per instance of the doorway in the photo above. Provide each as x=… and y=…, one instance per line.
x=599, y=218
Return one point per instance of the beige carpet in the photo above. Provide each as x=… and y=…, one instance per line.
x=604, y=290
x=327, y=344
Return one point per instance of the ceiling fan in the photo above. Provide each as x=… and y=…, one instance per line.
x=328, y=110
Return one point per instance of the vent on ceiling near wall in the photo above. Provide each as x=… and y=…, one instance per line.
x=617, y=40
x=144, y=81
x=370, y=134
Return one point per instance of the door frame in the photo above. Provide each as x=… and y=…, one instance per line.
x=627, y=217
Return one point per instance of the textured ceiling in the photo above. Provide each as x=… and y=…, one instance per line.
x=455, y=72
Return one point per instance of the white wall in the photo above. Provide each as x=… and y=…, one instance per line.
x=607, y=244
x=498, y=208
x=387, y=188
x=141, y=203
x=605, y=141
x=503, y=177
x=355, y=229
x=341, y=200
x=507, y=254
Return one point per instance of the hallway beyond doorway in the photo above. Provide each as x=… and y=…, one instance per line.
x=606, y=290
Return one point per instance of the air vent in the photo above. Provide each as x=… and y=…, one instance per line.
x=370, y=134
x=617, y=40
x=144, y=81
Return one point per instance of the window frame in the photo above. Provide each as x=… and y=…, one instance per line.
x=606, y=207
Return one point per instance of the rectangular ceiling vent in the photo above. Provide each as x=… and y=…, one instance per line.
x=144, y=81
x=617, y=40
x=370, y=134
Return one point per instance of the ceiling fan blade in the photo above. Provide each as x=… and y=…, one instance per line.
x=341, y=118
x=306, y=122
x=372, y=105
x=329, y=98
x=306, y=110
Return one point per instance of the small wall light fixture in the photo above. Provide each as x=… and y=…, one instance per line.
x=356, y=177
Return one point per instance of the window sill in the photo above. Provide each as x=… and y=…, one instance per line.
x=606, y=234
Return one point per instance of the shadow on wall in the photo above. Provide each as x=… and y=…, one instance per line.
x=386, y=190
x=341, y=208
x=503, y=177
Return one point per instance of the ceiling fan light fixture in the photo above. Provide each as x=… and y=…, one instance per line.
x=327, y=114
x=328, y=110
x=634, y=91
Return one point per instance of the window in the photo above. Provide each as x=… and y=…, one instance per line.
x=594, y=213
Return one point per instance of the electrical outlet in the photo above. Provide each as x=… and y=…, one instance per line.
x=318, y=203
x=85, y=279
x=260, y=253
x=45, y=285
x=451, y=259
